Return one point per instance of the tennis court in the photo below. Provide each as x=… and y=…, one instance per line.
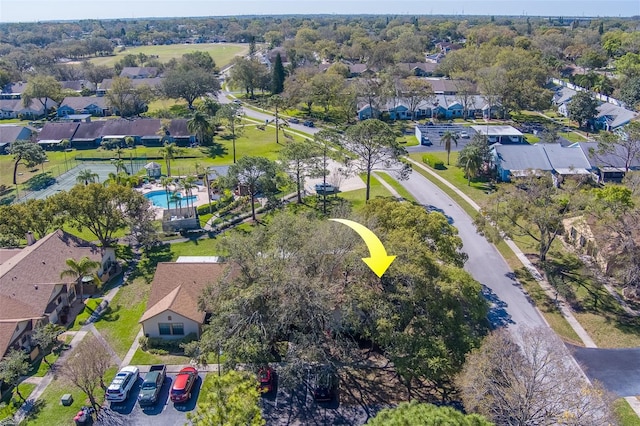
x=67, y=180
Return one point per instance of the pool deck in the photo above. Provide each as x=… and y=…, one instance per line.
x=200, y=193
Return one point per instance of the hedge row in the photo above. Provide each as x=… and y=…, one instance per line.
x=433, y=161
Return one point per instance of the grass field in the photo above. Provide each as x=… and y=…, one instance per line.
x=119, y=324
x=222, y=53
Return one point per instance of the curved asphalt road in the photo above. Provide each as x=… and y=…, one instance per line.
x=510, y=306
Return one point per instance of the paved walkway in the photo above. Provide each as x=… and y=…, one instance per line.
x=388, y=187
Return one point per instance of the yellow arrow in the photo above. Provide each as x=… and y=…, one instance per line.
x=378, y=260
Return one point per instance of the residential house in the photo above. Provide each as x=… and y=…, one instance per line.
x=419, y=69
x=611, y=115
x=139, y=72
x=522, y=159
x=53, y=133
x=610, y=166
x=153, y=83
x=179, y=132
x=446, y=46
x=31, y=289
x=96, y=106
x=145, y=131
x=444, y=86
x=88, y=135
x=9, y=133
x=172, y=308
x=79, y=86
x=15, y=108
x=13, y=90
x=518, y=160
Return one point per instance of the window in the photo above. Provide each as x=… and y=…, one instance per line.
x=164, y=329
x=171, y=329
x=178, y=329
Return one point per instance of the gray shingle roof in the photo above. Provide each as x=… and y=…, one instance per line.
x=523, y=157
x=57, y=131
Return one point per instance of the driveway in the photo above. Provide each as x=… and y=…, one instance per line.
x=617, y=369
x=164, y=412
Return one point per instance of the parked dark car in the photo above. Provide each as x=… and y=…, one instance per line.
x=425, y=141
x=152, y=384
x=266, y=379
x=183, y=384
x=308, y=123
x=294, y=121
x=324, y=384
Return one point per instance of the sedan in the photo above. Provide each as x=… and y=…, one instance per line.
x=182, y=385
x=266, y=377
x=118, y=390
x=325, y=188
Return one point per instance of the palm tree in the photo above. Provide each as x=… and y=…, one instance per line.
x=470, y=159
x=200, y=125
x=165, y=182
x=81, y=269
x=86, y=176
x=447, y=138
x=188, y=184
x=169, y=152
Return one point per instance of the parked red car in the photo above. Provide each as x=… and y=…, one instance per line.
x=183, y=383
x=266, y=377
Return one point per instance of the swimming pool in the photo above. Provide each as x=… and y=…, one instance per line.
x=159, y=199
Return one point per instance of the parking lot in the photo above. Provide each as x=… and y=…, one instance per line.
x=163, y=412
x=298, y=407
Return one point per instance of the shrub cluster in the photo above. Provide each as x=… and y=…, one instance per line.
x=433, y=161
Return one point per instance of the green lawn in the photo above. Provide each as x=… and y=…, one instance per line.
x=90, y=305
x=119, y=324
x=357, y=197
x=48, y=409
x=199, y=247
x=625, y=414
x=222, y=53
x=13, y=402
x=397, y=186
x=477, y=191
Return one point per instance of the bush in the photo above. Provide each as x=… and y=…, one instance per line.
x=433, y=161
x=159, y=346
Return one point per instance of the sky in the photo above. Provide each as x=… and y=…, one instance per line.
x=46, y=10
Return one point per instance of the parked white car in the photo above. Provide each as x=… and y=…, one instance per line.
x=118, y=390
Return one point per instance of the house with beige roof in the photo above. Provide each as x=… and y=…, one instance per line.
x=172, y=309
x=31, y=290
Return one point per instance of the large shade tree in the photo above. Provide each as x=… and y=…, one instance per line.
x=42, y=88
x=253, y=175
x=28, y=153
x=294, y=275
x=13, y=367
x=375, y=145
x=230, y=399
x=103, y=210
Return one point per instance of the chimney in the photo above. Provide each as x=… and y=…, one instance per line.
x=30, y=238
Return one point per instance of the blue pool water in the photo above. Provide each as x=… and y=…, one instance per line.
x=159, y=199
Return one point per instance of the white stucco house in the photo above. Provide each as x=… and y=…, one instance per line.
x=172, y=309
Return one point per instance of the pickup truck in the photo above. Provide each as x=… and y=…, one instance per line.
x=152, y=384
